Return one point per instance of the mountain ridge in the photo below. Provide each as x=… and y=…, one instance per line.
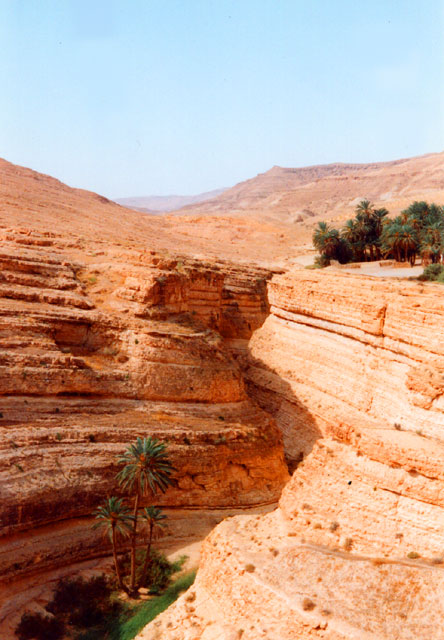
x=161, y=204
x=281, y=192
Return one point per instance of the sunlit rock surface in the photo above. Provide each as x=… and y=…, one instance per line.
x=352, y=370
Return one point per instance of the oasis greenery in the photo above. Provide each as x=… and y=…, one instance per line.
x=371, y=235
x=146, y=470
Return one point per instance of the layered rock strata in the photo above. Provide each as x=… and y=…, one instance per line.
x=97, y=350
x=352, y=369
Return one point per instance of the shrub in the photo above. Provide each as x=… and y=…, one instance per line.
x=433, y=272
x=413, y=555
x=74, y=592
x=250, y=568
x=321, y=261
x=40, y=627
x=160, y=569
x=83, y=603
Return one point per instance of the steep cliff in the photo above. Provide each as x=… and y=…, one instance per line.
x=352, y=370
x=99, y=348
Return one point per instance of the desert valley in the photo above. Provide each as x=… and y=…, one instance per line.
x=302, y=408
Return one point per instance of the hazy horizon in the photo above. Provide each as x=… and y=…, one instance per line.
x=170, y=98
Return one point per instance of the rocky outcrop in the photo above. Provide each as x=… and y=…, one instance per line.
x=98, y=350
x=351, y=369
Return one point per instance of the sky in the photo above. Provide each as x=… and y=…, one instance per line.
x=141, y=97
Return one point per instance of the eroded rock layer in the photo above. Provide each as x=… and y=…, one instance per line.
x=96, y=350
x=352, y=369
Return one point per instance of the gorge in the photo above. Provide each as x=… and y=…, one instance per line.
x=249, y=371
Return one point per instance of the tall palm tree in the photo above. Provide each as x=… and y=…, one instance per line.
x=391, y=238
x=379, y=216
x=432, y=242
x=319, y=236
x=153, y=517
x=409, y=243
x=117, y=520
x=351, y=233
x=147, y=469
x=379, y=219
x=365, y=207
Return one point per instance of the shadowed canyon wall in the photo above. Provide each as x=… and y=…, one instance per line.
x=352, y=369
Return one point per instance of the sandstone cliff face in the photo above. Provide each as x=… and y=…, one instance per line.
x=352, y=370
x=96, y=350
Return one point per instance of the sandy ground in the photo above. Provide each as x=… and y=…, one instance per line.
x=383, y=269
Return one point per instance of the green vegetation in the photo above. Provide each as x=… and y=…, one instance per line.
x=371, y=235
x=39, y=627
x=147, y=469
x=117, y=519
x=159, y=570
x=146, y=612
x=90, y=610
x=433, y=272
x=91, y=607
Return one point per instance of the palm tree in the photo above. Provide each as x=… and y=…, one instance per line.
x=319, y=236
x=409, y=243
x=391, y=238
x=147, y=469
x=432, y=243
x=117, y=520
x=154, y=519
x=379, y=218
x=349, y=231
x=366, y=208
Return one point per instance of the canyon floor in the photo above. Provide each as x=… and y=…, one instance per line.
x=209, y=335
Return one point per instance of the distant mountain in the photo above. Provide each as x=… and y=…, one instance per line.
x=329, y=191
x=163, y=204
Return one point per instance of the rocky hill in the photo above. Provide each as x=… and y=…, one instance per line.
x=36, y=201
x=330, y=191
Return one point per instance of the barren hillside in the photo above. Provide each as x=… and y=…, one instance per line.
x=329, y=191
x=33, y=200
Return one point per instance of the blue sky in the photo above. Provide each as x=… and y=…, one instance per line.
x=138, y=97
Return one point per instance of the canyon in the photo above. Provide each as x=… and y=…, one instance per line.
x=91, y=358
x=115, y=324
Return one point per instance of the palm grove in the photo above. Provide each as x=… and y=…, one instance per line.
x=371, y=235
x=146, y=470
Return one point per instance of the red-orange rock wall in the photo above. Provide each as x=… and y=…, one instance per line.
x=98, y=350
